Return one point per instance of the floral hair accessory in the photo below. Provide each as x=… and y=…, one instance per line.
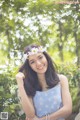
x=35, y=50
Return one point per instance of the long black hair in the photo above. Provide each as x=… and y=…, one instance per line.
x=31, y=82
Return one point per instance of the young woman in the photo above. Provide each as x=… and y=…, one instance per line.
x=44, y=93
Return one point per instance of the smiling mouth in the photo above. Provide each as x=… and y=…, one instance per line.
x=41, y=67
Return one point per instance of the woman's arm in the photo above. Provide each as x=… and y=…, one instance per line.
x=24, y=99
x=66, y=110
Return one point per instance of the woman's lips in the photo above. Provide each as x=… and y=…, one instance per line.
x=40, y=68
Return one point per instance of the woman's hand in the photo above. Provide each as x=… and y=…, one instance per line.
x=35, y=118
x=19, y=77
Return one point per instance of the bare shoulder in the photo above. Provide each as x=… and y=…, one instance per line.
x=63, y=79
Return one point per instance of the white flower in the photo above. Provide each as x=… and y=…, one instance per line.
x=29, y=53
x=40, y=49
x=35, y=51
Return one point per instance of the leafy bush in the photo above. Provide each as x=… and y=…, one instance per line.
x=73, y=74
x=8, y=90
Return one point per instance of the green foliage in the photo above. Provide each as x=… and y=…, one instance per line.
x=73, y=74
x=25, y=21
x=8, y=91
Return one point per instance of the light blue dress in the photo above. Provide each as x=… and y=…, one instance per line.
x=47, y=102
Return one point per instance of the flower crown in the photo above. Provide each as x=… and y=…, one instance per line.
x=35, y=50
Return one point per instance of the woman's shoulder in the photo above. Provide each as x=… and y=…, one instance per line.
x=63, y=79
x=61, y=76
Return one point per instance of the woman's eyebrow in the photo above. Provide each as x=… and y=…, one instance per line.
x=40, y=55
x=31, y=60
x=34, y=59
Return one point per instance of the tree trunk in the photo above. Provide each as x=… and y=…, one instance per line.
x=60, y=44
x=77, y=44
x=77, y=41
x=7, y=34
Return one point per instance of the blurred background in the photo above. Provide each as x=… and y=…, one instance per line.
x=23, y=22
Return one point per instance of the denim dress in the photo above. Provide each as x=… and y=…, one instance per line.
x=47, y=102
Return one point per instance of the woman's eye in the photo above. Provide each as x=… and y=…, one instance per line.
x=40, y=57
x=32, y=62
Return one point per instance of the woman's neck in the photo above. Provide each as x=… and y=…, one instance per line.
x=42, y=81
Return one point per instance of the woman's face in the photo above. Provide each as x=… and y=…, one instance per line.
x=38, y=63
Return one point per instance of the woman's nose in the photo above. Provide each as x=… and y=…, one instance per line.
x=38, y=63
